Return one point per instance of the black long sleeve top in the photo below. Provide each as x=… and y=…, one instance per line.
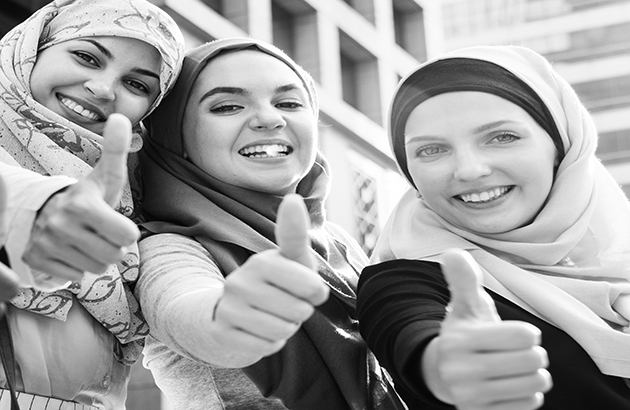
x=401, y=304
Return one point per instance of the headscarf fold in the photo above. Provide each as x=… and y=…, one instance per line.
x=571, y=265
x=40, y=140
x=326, y=361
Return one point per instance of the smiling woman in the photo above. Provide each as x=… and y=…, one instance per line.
x=237, y=321
x=75, y=324
x=501, y=157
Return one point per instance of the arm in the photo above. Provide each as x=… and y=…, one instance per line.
x=465, y=364
x=64, y=229
x=232, y=322
x=27, y=192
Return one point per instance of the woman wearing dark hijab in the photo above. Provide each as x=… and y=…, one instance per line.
x=236, y=136
x=500, y=154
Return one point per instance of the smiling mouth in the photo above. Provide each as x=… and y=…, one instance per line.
x=485, y=196
x=80, y=110
x=266, y=151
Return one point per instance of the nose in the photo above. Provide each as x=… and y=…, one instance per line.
x=100, y=88
x=267, y=118
x=469, y=165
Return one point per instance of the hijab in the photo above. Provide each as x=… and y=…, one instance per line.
x=38, y=139
x=326, y=361
x=571, y=265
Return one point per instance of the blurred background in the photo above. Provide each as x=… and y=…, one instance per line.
x=358, y=50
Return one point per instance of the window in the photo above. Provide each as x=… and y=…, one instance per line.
x=233, y=10
x=614, y=147
x=365, y=211
x=604, y=94
x=409, y=28
x=363, y=7
x=295, y=32
x=359, y=77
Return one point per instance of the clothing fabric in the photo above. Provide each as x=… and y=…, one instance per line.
x=33, y=137
x=34, y=402
x=465, y=74
x=401, y=305
x=69, y=360
x=187, y=381
x=326, y=364
x=571, y=265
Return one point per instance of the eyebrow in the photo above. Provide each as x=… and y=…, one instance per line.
x=477, y=130
x=491, y=125
x=244, y=92
x=110, y=56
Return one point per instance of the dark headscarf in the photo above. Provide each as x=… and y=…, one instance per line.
x=326, y=364
x=464, y=74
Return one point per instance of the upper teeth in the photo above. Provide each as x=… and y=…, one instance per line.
x=484, y=196
x=80, y=110
x=260, y=151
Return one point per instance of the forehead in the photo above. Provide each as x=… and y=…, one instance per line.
x=245, y=68
x=451, y=109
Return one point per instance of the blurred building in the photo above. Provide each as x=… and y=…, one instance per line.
x=588, y=42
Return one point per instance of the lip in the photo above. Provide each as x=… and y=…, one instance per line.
x=85, y=104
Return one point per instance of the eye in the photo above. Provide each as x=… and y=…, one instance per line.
x=429, y=151
x=505, y=137
x=86, y=58
x=225, y=109
x=138, y=85
x=290, y=105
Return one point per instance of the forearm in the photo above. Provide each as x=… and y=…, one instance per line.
x=27, y=192
x=189, y=330
x=178, y=290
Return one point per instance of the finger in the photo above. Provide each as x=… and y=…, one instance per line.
x=468, y=299
x=292, y=231
x=257, y=323
x=110, y=172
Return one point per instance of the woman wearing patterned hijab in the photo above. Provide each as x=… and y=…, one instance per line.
x=237, y=135
x=501, y=156
x=63, y=72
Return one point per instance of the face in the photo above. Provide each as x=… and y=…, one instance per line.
x=248, y=123
x=87, y=79
x=479, y=161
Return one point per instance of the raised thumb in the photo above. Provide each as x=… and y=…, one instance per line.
x=468, y=299
x=110, y=173
x=292, y=231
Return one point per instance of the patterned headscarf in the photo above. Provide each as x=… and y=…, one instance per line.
x=38, y=139
x=571, y=265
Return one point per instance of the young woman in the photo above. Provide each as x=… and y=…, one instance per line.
x=501, y=156
x=233, y=318
x=64, y=72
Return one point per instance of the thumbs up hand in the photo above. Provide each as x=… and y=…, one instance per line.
x=266, y=300
x=77, y=229
x=479, y=361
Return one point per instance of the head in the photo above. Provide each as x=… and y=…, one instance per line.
x=479, y=145
x=123, y=58
x=249, y=116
